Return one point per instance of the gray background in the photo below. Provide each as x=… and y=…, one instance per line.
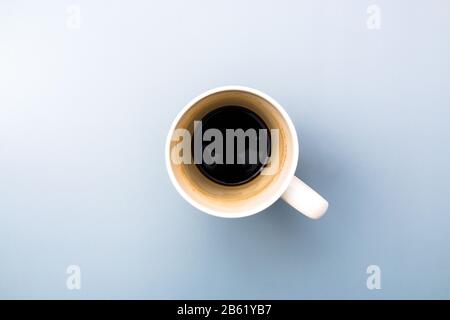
x=84, y=115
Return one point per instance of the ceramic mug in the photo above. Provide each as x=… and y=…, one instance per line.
x=276, y=181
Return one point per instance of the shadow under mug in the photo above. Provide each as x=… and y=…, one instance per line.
x=276, y=181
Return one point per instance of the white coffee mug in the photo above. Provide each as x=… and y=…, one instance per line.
x=256, y=195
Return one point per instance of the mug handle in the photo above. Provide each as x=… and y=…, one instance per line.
x=300, y=196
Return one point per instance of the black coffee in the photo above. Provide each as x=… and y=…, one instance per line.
x=243, y=166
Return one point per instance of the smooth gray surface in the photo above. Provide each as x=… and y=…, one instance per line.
x=84, y=115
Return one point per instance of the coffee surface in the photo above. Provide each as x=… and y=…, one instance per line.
x=243, y=167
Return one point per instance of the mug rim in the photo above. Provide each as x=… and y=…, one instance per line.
x=270, y=200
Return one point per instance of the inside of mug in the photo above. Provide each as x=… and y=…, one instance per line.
x=249, y=195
